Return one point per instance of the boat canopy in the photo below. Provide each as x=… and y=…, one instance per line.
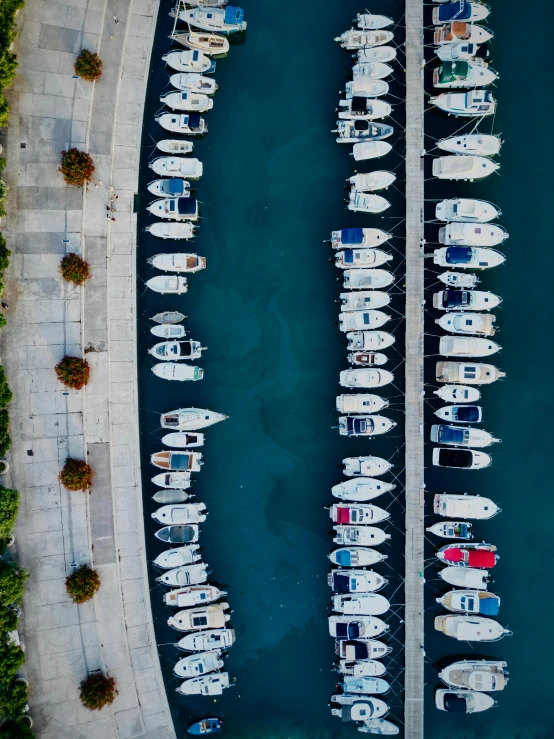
x=459, y=10
x=459, y=254
x=348, y=631
x=352, y=235
x=467, y=414
x=455, y=298
x=181, y=461
x=355, y=426
x=187, y=206
x=452, y=435
x=474, y=558
x=174, y=186
x=233, y=15
x=359, y=107
x=455, y=703
x=341, y=583
x=455, y=458
x=343, y=515
x=355, y=650
x=192, y=121
x=344, y=558
x=452, y=71
x=489, y=606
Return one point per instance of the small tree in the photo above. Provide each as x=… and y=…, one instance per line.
x=97, y=691
x=13, y=699
x=5, y=438
x=12, y=583
x=73, y=372
x=17, y=729
x=83, y=584
x=5, y=393
x=5, y=254
x=74, y=269
x=8, y=621
x=77, y=167
x=76, y=475
x=88, y=65
x=9, y=506
x=11, y=659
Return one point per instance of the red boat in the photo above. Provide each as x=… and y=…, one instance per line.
x=481, y=556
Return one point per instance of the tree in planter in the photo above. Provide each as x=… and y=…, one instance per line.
x=88, y=65
x=11, y=659
x=13, y=699
x=9, y=506
x=73, y=372
x=77, y=167
x=97, y=691
x=76, y=475
x=74, y=269
x=5, y=393
x=12, y=583
x=5, y=438
x=83, y=584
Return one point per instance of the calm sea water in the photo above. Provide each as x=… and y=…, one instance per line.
x=273, y=190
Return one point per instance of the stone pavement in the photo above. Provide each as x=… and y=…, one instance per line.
x=58, y=530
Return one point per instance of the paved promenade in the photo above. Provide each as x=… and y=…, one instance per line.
x=58, y=530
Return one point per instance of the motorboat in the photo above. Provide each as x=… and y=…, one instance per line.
x=366, y=466
x=177, y=166
x=451, y=530
x=463, y=167
x=227, y=20
x=367, y=279
x=361, y=513
x=358, y=39
x=462, y=701
x=199, y=664
x=370, y=150
x=460, y=413
x=168, y=284
x=358, y=651
x=356, y=557
x=171, y=558
x=454, y=505
x=179, y=515
x=462, y=300
x=472, y=234
x=475, y=103
x=175, y=146
x=369, y=340
x=211, y=44
x=460, y=459
x=179, y=461
x=167, y=495
x=461, y=436
x=460, y=10
x=361, y=489
x=479, y=324
x=194, y=82
x=358, y=627
x=358, y=237
x=180, y=439
x=168, y=316
x=175, y=351
x=194, y=61
x=366, y=668
x=207, y=725
x=205, y=685
x=364, y=257
x=178, y=262
x=174, y=187
x=203, y=641
x=461, y=346
x=369, y=299
x=372, y=181
x=361, y=202
x=177, y=372
x=364, y=425
x=458, y=394
x=471, y=373
x=178, y=534
x=173, y=480
x=190, y=419
x=186, y=575
x=458, y=74
x=193, y=595
x=359, y=320
x=365, y=378
x=467, y=257
x=465, y=578
x=168, y=331
x=189, y=124
x=176, y=209
x=466, y=210
x=351, y=132
x=470, y=628
x=360, y=403
x=372, y=22
x=459, y=279
x=479, y=556
x=355, y=581
x=486, y=676
x=367, y=359
x=477, y=144
x=372, y=70
x=171, y=230
x=363, y=109
x=365, y=685
x=376, y=54
x=203, y=617
x=459, y=52
x=361, y=536
x=379, y=726
x=191, y=102
x=471, y=602
x=459, y=31
x=369, y=604
x=361, y=709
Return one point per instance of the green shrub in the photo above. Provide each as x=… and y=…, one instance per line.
x=5, y=254
x=12, y=583
x=3, y=321
x=76, y=475
x=8, y=621
x=11, y=659
x=83, y=584
x=77, y=167
x=13, y=699
x=5, y=393
x=88, y=65
x=98, y=691
x=17, y=729
x=74, y=269
x=9, y=507
x=4, y=111
x=5, y=438
x=74, y=372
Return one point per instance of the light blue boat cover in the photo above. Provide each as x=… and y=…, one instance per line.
x=489, y=606
x=233, y=15
x=343, y=558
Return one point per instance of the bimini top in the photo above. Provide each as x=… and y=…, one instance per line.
x=352, y=235
x=344, y=558
x=193, y=120
x=467, y=414
x=233, y=15
x=455, y=298
x=452, y=71
x=459, y=254
x=473, y=557
x=489, y=606
x=460, y=11
x=455, y=458
x=351, y=630
x=358, y=425
x=174, y=187
x=355, y=650
x=341, y=583
x=186, y=206
x=455, y=703
x=358, y=107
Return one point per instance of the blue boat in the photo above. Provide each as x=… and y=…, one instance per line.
x=206, y=726
x=460, y=10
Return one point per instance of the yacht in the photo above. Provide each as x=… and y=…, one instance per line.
x=367, y=359
x=370, y=150
x=453, y=505
x=199, y=664
x=173, y=480
x=460, y=459
x=479, y=324
x=472, y=234
x=192, y=102
x=356, y=627
x=205, y=640
x=476, y=103
x=190, y=419
x=369, y=340
x=459, y=52
x=359, y=320
x=186, y=575
x=212, y=44
x=357, y=557
x=379, y=726
x=168, y=284
x=364, y=425
x=356, y=403
x=480, y=556
x=186, y=555
x=363, y=109
x=470, y=373
x=361, y=489
x=358, y=39
x=462, y=701
x=465, y=300
x=350, y=132
x=205, y=685
x=471, y=602
x=372, y=181
x=202, y=617
x=355, y=581
x=175, y=209
x=459, y=31
x=466, y=210
x=178, y=515
x=460, y=10
x=365, y=686
x=465, y=578
x=486, y=676
x=459, y=279
x=452, y=75
x=458, y=394
x=361, y=202
x=173, y=230
x=178, y=534
x=175, y=146
x=369, y=604
x=470, y=628
x=194, y=61
x=360, y=536
x=365, y=87
x=173, y=187
x=194, y=83
x=372, y=22
x=366, y=668
x=178, y=262
x=467, y=257
x=370, y=299
x=227, y=20
x=193, y=596
x=376, y=54
x=364, y=257
x=460, y=413
x=189, y=124
x=169, y=351
x=182, y=440
x=358, y=237
x=365, y=466
x=359, y=651
x=177, y=461
x=177, y=167
x=467, y=168
x=361, y=710
x=357, y=514
x=366, y=378
x=461, y=436
x=477, y=144
x=367, y=279
x=451, y=530
x=461, y=346
x=372, y=70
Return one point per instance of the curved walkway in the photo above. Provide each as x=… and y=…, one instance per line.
x=58, y=530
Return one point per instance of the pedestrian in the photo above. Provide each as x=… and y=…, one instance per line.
x=115, y=20
x=4, y=304
x=113, y=219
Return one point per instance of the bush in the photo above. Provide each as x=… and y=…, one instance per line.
x=74, y=269
x=13, y=699
x=17, y=729
x=5, y=254
x=83, y=584
x=88, y=65
x=76, y=475
x=11, y=659
x=3, y=321
x=5, y=438
x=5, y=393
x=9, y=506
x=77, y=167
x=12, y=583
x=8, y=621
x=74, y=372
x=98, y=691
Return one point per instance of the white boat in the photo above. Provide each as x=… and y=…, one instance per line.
x=369, y=340
x=176, y=351
x=376, y=54
x=367, y=279
x=460, y=459
x=365, y=514
x=355, y=581
x=365, y=466
x=168, y=316
x=174, y=187
x=470, y=628
x=453, y=505
x=365, y=685
x=204, y=3
x=357, y=557
x=189, y=61
x=205, y=685
x=171, y=496
x=191, y=102
x=365, y=87
x=372, y=70
x=460, y=413
x=372, y=181
x=171, y=230
x=362, y=300
x=175, y=209
x=356, y=403
x=186, y=555
x=462, y=51
x=190, y=419
x=168, y=284
x=456, y=31
x=199, y=664
x=368, y=604
x=367, y=359
x=466, y=210
x=467, y=257
x=360, y=536
x=365, y=378
x=194, y=83
x=370, y=150
x=186, y=575
x=361, y=489
x=460, y=10
x=461, y=346
x=457, y=75
x=379, y=726
x=463, y=701
x=175, y=146
x=359, y=320
x=178, y=372
x=203, y=617
x=470, y=373
x=372, y=22
x=358, y=237
x=359, y=710
x=461, y=436
x=459, y=279
x=178, y=262
x=361, y=202
x=193, y=596
x=177, y=515
x=483, y=675
x=364, y=257
x=458, y=394
x=177, y=166
x=479, y=324
x=358, y=39
x=356, y=627
x=476, y=103
x=463, y=168
x=173, y=480
x=451, y=530
x=168, y=331
x=227, y=20
x=363, y=109
x=465, y=300
x=474, y=143
x=349, y=131
x=211, y=44
x=182, y=440
x=472, y=234
x=187, y=124
x=470, y=602
x=465, y=577
x=206, y=640
x=366, y=668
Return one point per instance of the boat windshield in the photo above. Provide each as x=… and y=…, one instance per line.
x=461, y=458
x=468, y=413
x=459, y=254
x=455, y=298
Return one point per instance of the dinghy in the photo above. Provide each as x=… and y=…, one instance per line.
x=376, y=54
x=359, y=627
x=168, y=284
x=355, y=581
x=193, y=596
x=454, y=505
x=168, y=331
x=360, y=536
x=177, y=167
x=459, y=31
x=178, y=534
x=188, y=124
x=371, y=22
x=462, y=75
x=361, y=513
x=179, y=461
x=169, y=316
x=227, y=20
x=191, y=102
x=460, y=459
x=474, y=143
x=189, y=61
x=480, y=324
x=451, y=530
x=211, y=44
x=365, y=378
x=460, y=346
x=370, y=150
x=350, y=132
x=371, y=70
x=466, y=210
x=167, y=496
x=367, y=279
x=372, y=181
x=357, y=403
x=178, y=515
x=369, y=604
x=463, y=701
x=367, y=668
x=363, y=109
x=178, y=262
x=190, y=419
x=462, y=436
x=472, y=373
x=460, y=413
x=199, y=664
x=472, y=234
x=205, y=685
x=358, y=39
x=486, y=676
x=177, y=372
x=186, y=555
x=365, y=466
x=465, y=578
x=471, y=602
x=470, y=628
x=180, y=440
x=365, y=257
x=476, y=103
x=206, y=640
x=194, y=83
x=176, y=209
x=462, y=300
x=364, y=425
x=365, y=686
x=207, y=725
x=462, y=51
x=467, y=257
x=174, y=187
x=175, y=146
x=367, y=359
x=203, y=617
x=171, y=230
x=357, y=557
x=460, y=10
x=467, y=168
x=173, y=480
x=369, y=340
x=379, y=726
x=479, y=556
x=458, y=394
x=361, y=489
x=358, y=320
x=370, y=300
x=358, y=237
x=175, y=351
x=185, y=575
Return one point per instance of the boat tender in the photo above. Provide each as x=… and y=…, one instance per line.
x=360, y=320
x=376, y=54
x=168, y=284
x=364, y=300
x=175, y=146
x=178, y=515
x=177, y=166
x=207, y=725
x=358, y=237
x=206, y=640
x=178, y=262
x=451, y=530
x=179, y=461
x=171, y=558
x=361, y=202
x=358, y=39
x=465, y=578
x=227, y=20
x=367, y=359
x=204, y=617
x=194, y=61
x=194, y=83
x=372, y=70
x=185, y=575
x=188, y=124
x=470, y=628
x=357, y=557
x=372, y=22
x=348, y=513
x=193, y=595
x=173, y=480
x=369, y=604
x=177, y=372
x=181, y=440
x=366, y=668
x=363, y=109
x=171, y=230
x=358, y=627
x=175, y=351
x=364, y=257
x=205, y=685
x=365, y=87
x=372, y=181
x=458, y=394
x=370, y=150
x=355, y=581
x=369, y=340
x=188, y=101
x=199, y=664
x=367, y=279
x=168, y=331
x=174, y=187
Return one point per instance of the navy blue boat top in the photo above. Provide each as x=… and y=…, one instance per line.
x=174, y=186
x=456, y=11
x=352, y=235
x=458, y=254
x=341, y=583
x=454, y=298
x=467, y=413
x=454, y=703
